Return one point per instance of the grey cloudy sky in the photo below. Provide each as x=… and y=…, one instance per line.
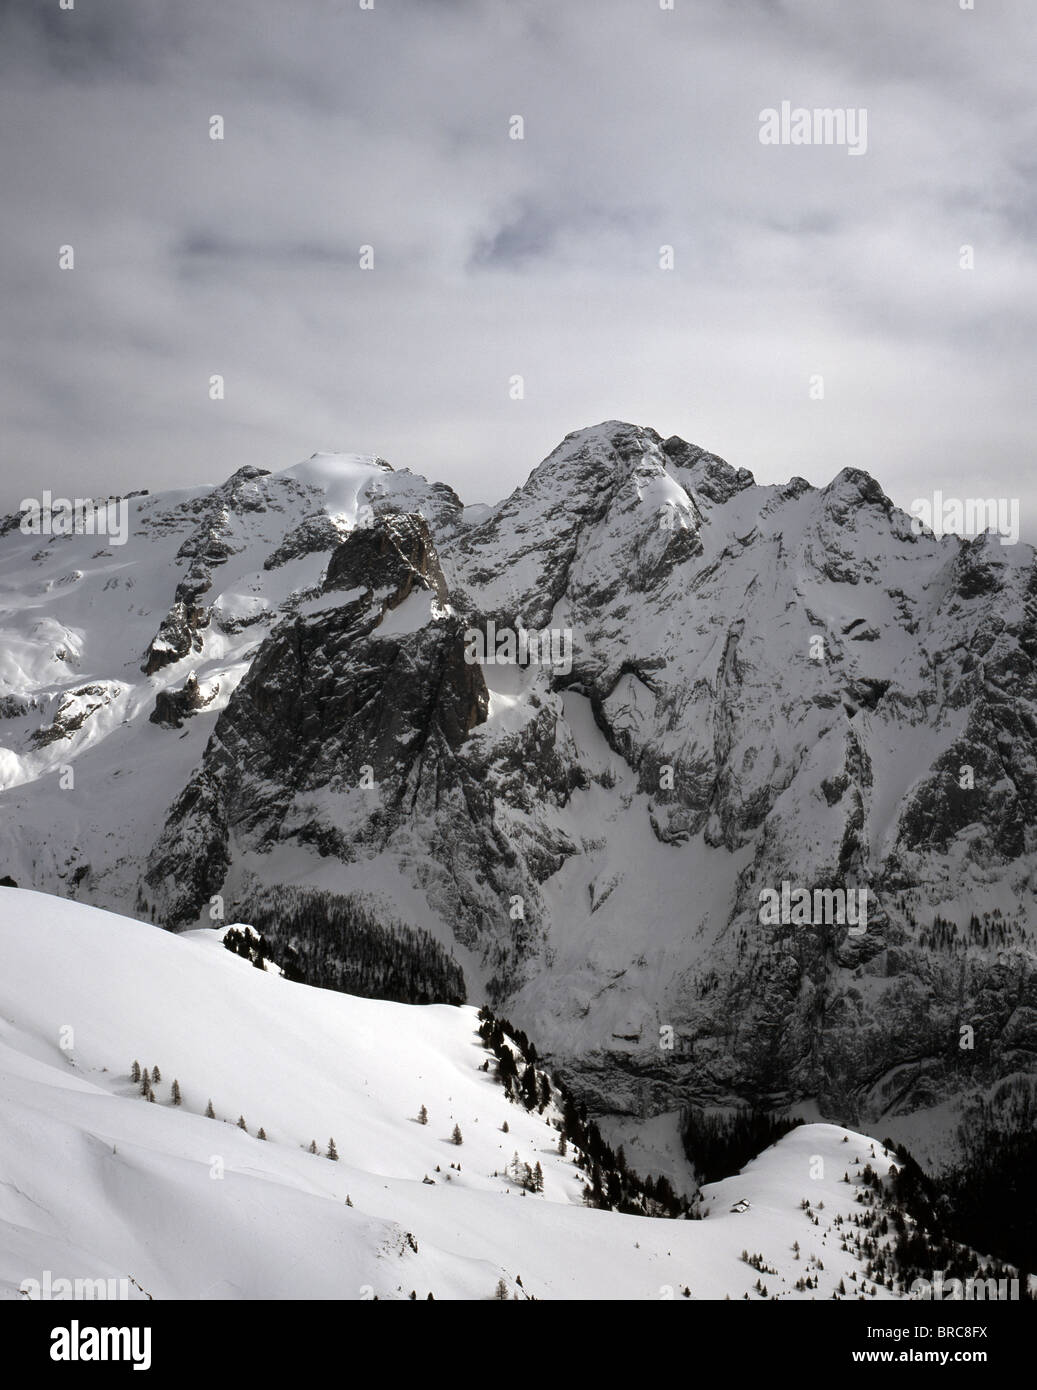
x=495, y=257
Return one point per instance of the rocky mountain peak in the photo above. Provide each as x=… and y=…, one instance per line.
x=394, y=552
x=853, y=487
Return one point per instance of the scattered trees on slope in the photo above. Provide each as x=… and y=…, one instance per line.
x=611, y=1184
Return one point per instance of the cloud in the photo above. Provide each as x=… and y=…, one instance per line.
x=495, y=257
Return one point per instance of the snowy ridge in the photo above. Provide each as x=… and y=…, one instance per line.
x=95, y=1182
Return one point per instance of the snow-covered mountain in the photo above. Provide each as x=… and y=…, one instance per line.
x=96, y=1183
x=263, y=703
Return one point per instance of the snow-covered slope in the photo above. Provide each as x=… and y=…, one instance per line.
x=98, y=1183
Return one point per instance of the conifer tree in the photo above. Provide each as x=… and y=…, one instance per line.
x=177, y=1098
x=313, y=1146
x=332, y=1151
x=242, y=1124
x=262, y=1133
x=456, y=1136
x=529, y=1087
x=422, y=1116
x=145, y=1082
x=156, y=1075
x=501, y=1293
x=210, y=1113
x=135, y=1073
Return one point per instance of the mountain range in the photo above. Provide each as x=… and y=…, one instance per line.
x=264, y=707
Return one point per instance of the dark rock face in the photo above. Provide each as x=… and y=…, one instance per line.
x=172, y=707
x=396, y=553
x=715, y=479
x=72, y=712
x=178, y=635
x=14, y=706
x=313, y=713
x=181, y=631
x=315, y=534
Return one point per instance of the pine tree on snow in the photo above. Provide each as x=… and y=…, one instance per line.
x=177, y=1098
x=529, y=1087
x=332, y=1151
x=135, y=1073
x=456, y=1136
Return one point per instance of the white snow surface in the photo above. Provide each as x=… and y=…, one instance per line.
x=95, y=1182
